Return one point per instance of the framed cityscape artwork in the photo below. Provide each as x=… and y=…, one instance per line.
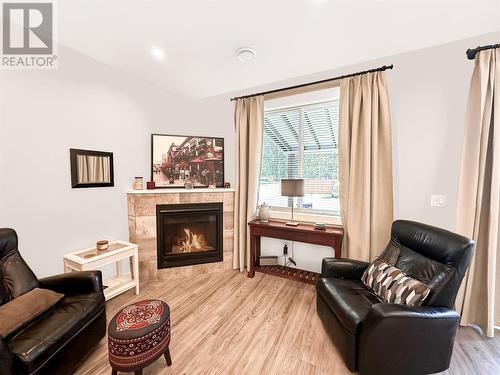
x=179, y=159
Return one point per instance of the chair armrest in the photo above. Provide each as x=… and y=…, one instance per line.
x=74, y=283
x=343, y=268
x=6, y=359
x=397, y=337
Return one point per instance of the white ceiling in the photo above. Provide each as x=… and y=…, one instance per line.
x=291, y=37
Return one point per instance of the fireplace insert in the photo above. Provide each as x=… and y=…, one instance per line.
x=189, y=234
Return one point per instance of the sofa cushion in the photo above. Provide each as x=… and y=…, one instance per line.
x=23, y=309
x=36, y=343
x=349, y=300
x=393, y=286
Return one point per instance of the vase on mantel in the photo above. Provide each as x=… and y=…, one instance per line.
x=138, y=183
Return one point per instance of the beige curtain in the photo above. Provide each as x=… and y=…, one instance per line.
x=365, y=156
x=248, y=118
x=478, y=209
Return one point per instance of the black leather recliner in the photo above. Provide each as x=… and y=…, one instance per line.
x=60, y=338
x=375, y=337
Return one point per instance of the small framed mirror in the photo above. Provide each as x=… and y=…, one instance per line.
x=91, y=168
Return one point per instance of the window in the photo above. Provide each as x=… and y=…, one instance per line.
x=302, y=142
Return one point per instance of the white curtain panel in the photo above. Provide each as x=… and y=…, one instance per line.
x=478, y=212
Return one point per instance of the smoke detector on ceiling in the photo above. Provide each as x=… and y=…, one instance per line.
x=158, y=53
x=246, y=54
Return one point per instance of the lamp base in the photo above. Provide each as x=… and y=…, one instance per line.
x=292, y=223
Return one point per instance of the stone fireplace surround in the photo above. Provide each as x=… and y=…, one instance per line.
x=142, y=228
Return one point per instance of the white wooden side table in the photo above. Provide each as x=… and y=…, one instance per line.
x=118, y=251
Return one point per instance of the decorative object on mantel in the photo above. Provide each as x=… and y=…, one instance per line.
x=292, y=187
x=91, y=168
x=178, y=158
x=138, y=185
x=212, y=186
x=150, y=185
x=188, y=185
x=320, y=226
x=227, y=185
x=264, y=212
x=102, y=245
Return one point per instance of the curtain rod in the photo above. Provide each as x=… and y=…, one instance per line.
x=381, y=69
x=471, y=53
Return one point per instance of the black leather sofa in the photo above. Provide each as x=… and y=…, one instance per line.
x=381, y=338
x=55, y=342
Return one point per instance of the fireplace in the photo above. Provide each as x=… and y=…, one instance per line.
x=189, y=234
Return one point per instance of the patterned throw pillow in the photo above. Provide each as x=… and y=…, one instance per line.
x=393, y=286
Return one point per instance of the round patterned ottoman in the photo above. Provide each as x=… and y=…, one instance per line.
x=138, y=335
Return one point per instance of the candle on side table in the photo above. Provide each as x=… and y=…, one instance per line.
x=102, y=245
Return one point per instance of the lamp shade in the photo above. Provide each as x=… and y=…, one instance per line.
x=292, y=187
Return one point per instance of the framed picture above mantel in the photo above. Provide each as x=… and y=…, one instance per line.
x=180, y=159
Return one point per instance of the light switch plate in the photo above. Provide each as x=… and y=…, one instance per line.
x=438, y=200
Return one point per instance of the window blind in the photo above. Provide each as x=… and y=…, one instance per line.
x=302, y=142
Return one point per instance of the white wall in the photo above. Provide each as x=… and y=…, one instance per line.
x=86, y=104
x=428, y=92
x=83, y=104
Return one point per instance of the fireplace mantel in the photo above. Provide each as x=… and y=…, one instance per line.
x=180, y=190
x=142, y=227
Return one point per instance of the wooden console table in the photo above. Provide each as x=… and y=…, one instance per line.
x=304, y=232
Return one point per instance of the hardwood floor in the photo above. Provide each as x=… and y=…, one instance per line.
x=226, y=323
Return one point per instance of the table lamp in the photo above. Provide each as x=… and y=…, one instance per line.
x=292, y=187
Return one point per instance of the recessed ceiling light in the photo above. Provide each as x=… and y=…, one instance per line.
x=246, y=54
x=158, y=53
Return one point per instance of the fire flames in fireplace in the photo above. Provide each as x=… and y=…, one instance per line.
x=191, y=242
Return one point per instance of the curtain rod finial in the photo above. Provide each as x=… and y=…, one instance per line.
x=471, y=54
